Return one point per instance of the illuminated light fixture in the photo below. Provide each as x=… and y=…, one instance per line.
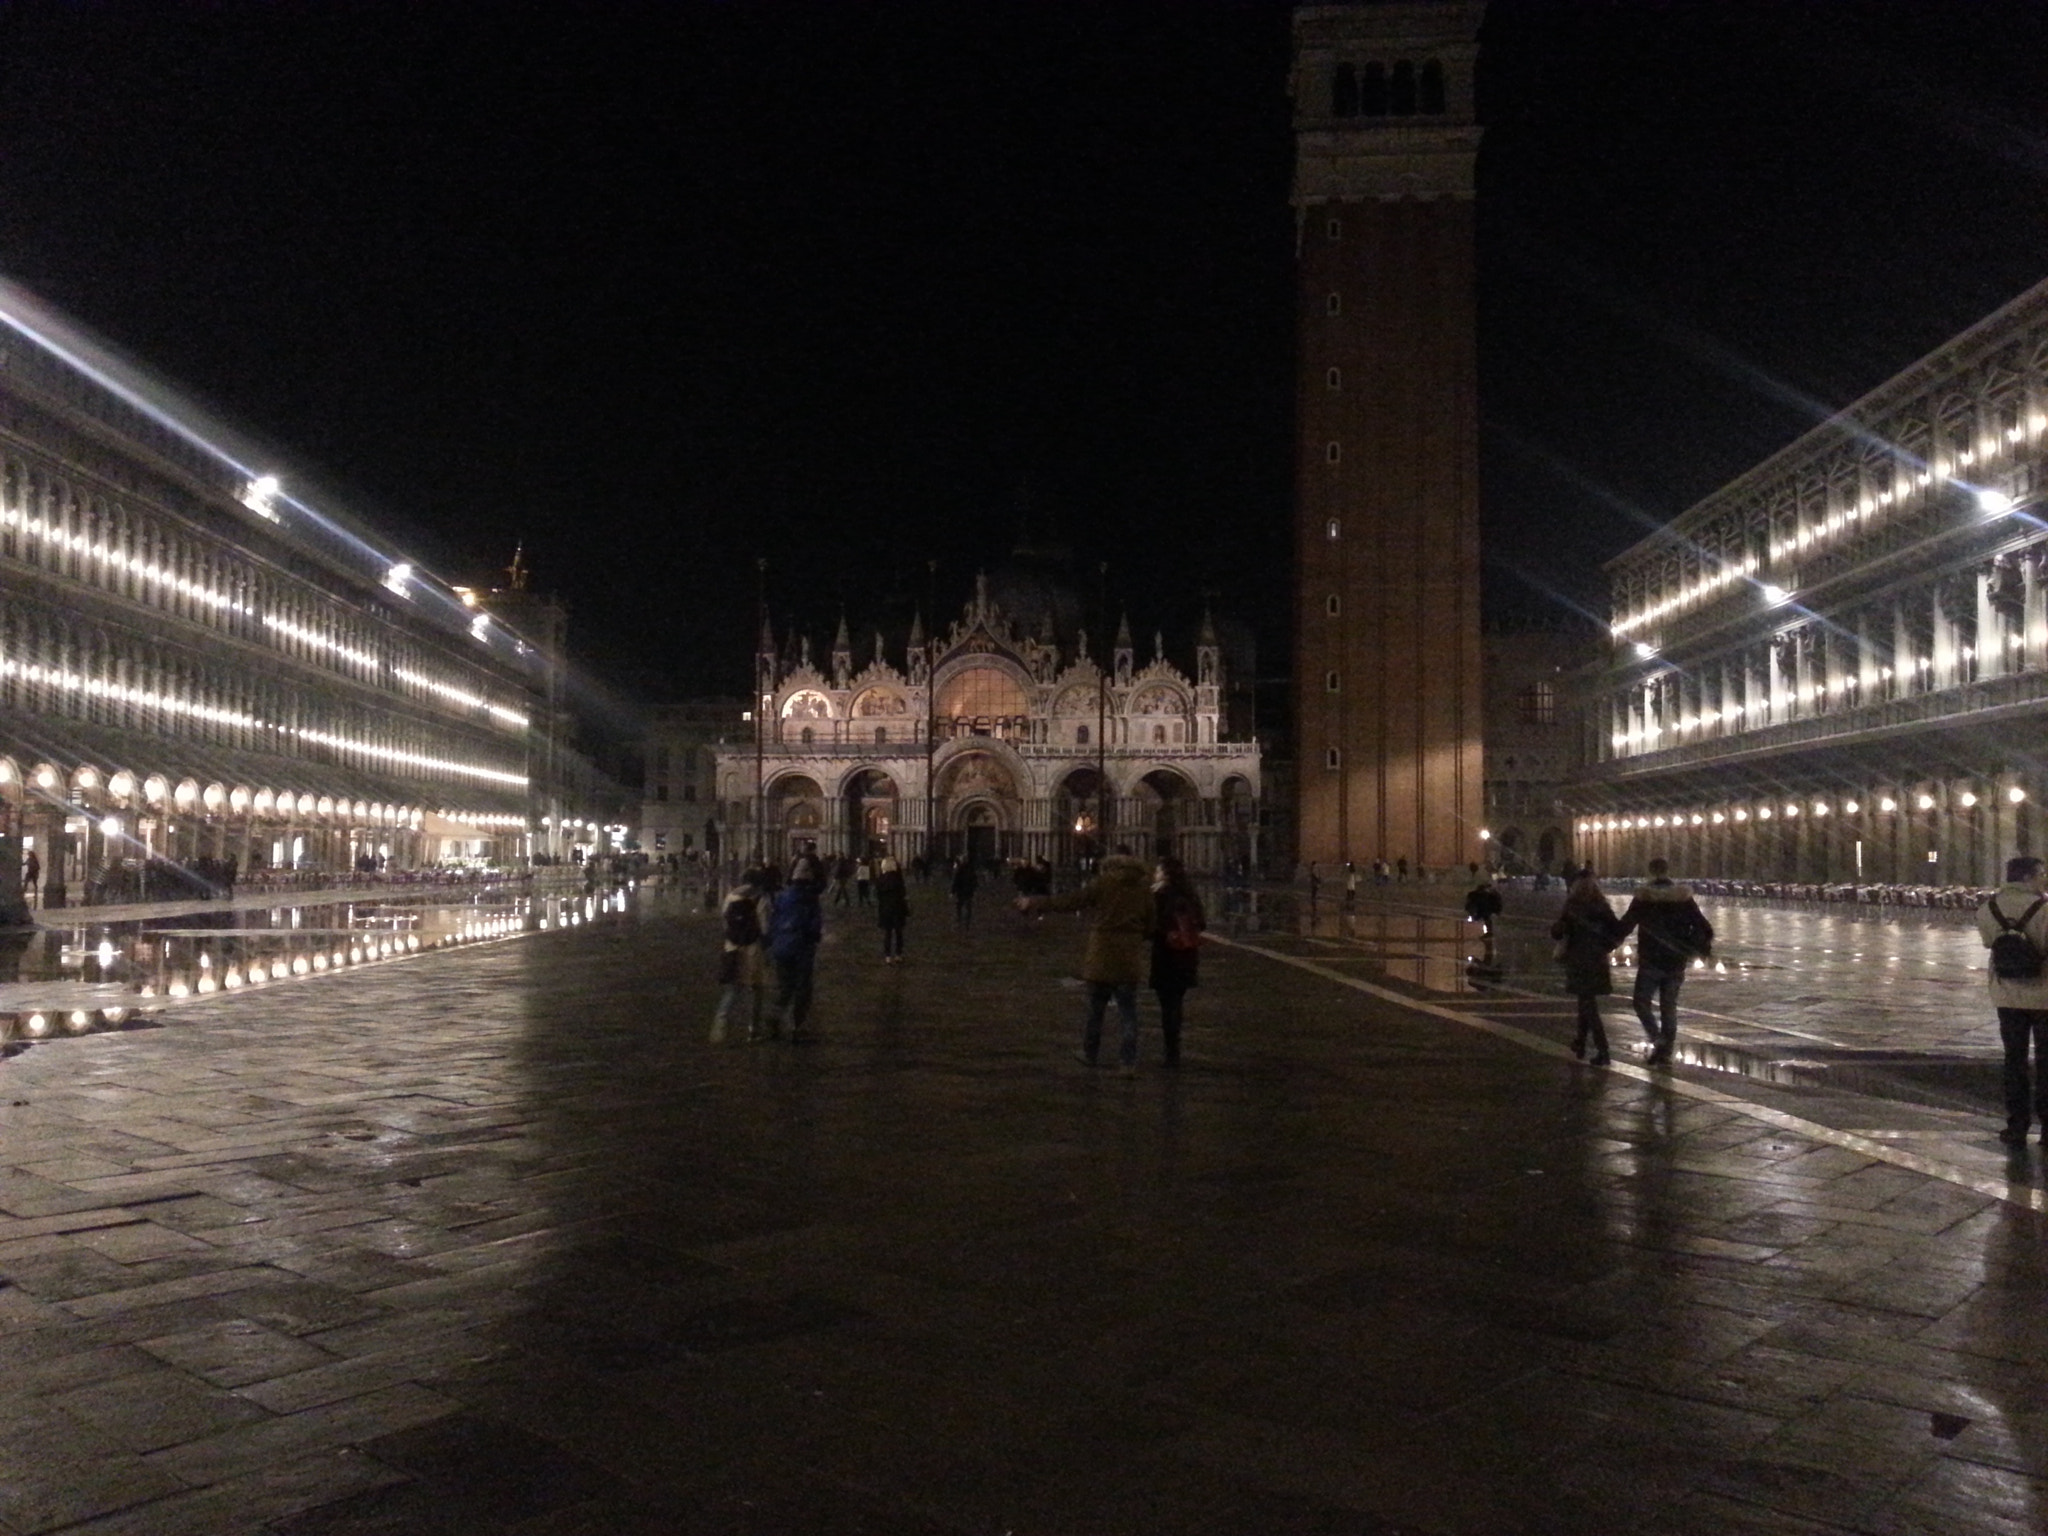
x=467, y=594
x=1484, y=835
x=1791, y=810
x=1993, y=503
x=1774, y=594
x=320, y=962
x=1719, y=818
x=2016, y=795
x=110, y=827
x=279, y=971
x=36, y=1025
x=77, y=1021
x=179, y=989
x=260, y=496
x=1820, y=807
x=399, y=578
x=1850, y=807
x=1698, y=819
x=1967, y=799
x=208, y=984
x=114, y=1015
x=1763, y=813
x=232, y=980
x=1925, y=802
x=480, y=627
x=1887, y=804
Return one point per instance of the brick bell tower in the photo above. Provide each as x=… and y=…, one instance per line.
x=1387, y=698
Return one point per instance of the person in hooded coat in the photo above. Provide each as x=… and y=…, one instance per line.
x=1114, y=961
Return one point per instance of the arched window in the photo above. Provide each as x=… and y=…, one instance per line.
x=881, y=735
x=1334, y=378
x=1344, y=92
x=1080, y=735
x=808, y=736
x=1401, y=91
x=1159, y=735
x=1372, y=91
x=1432, y=93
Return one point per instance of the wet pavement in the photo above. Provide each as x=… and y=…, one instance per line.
x=492, y=1239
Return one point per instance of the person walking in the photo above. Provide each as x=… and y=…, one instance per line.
x=1350, y=884
x=863, y=881
x=964, y=883
x=2014, y=927
x=1482, y=904
x=1671, y=933
x=796, y=925
x=1113, y=963
x=739, y=960
x=1587, y=931
x=1177, y=924
x=892, y=910
x=842, y=878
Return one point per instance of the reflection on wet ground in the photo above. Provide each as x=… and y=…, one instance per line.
x=1877, y=1001
x=92, y=976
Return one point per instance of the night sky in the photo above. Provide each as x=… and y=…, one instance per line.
x=662, y=289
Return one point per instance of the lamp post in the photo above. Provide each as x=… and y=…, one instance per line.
x=762, y=694
x=1102, y=813
x=931, y=715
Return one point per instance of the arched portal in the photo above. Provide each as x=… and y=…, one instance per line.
x=1170, y=804
x=1077, y=818
x=978, y=806
x=1238, y=810
x=871, y=816
x=796, y=814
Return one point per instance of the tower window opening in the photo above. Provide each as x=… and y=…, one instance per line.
x=1333, y=605
x=1401, y=91
x=1331, y=530
x=1333, y=452
x=1372, y=91
x=1430, y=97
x=1334, y=228
x=1334, y=304
x=1332, y=759
x=1344, y=92
x=1334, y=378
x=1330, y=682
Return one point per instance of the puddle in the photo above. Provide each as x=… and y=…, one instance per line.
x=58, y=979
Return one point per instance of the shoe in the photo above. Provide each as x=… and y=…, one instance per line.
x=1084, y=1058
x=2014, y=1136
x=718, y=1034
x=1579, y=1047
x=1658, y=1057
x=1603, y=1060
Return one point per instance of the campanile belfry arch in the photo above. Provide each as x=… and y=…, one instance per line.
x=1387, y=695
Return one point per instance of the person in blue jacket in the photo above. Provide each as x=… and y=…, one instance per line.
x=796, y=924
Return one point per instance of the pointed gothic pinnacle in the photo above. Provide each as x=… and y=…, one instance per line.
x=841, y=641
x=767, y=636
x=1123, y=633
x=1208, y=631
x=916, y=628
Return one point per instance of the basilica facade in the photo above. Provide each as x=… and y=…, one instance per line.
x=1000, y=738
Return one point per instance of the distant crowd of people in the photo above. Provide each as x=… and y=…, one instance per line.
x=1146, y=928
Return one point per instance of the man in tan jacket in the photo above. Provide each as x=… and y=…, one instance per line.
x=2021, y=1000
x=1119, y=946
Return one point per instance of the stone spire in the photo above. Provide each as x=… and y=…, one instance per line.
x=1123, y=651
x=842, y=654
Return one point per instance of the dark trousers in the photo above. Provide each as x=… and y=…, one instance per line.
x=1591, y=1025
x=1126, y=996
x=2026, y=1084
x=1660, y=987
x=793, y=989
x=892, y=941
x=1171, y=1002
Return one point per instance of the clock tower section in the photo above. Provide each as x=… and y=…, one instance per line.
x=1387, y=696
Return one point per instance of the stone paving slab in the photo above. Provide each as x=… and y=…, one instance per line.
x=496, y=1241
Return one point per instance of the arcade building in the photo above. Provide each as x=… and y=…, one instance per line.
x=1835, y=669
x=1000, y=738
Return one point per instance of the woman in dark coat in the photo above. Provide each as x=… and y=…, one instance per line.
x=892, y=910
x=1178, y=921
x=1587, y=931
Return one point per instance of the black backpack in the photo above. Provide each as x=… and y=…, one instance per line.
x=742, y=922
x=2015, y=956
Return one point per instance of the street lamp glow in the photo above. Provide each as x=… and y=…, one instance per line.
x=1993, y=503
x=1644, y=650
x=1775, y=594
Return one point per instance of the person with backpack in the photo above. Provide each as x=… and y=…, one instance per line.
x=739, y=960
x=1177, y=924
x=796, y=926
x=1671, y=932
x=2014, y=927
x=965, y=882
